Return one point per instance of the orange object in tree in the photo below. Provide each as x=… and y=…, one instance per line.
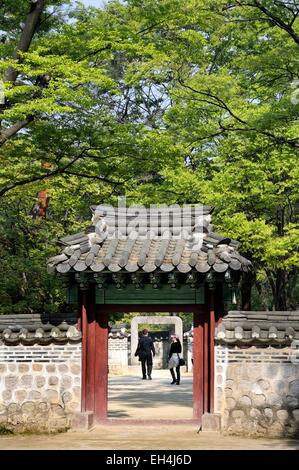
x=40, y=208
x=43, y=202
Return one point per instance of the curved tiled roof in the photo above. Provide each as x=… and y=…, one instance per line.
x=34, y=329
x=262, y=328
x=112, y=244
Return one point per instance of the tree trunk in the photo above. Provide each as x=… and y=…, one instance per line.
x=278, y=285
x=291, y=283
x=30, y=26
x=246, y=288
x=280, y=296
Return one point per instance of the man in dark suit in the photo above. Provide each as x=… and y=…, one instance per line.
x=146, y=351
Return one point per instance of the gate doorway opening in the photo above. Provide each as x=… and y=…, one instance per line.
x=130, y=396
x=95, y=357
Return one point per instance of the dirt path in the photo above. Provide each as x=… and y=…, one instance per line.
x=116, y=437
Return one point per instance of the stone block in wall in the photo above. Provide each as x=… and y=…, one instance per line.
x=66, y=397
x=40, y=381
x=282, y=416
x=258, y=400
x=295, y=414
x=34, y=395
x=11, y=381
x=51, y=396
x=294, y=388
x=291, y=401
x=72, y=407
x=20, y=395
x=66, y=382
x=245, y=401
x=53, y=380
x=75, y=368
x=57, y=410
x=6, y=395
x=255, y=413
x=26, y=381
x=268, y=412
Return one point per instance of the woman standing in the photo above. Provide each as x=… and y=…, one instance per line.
x=174, y=359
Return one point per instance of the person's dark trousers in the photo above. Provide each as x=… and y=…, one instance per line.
x=173, y=376
x=178, y=375
x=143, y=361
x=147, y=363
x=175, y=380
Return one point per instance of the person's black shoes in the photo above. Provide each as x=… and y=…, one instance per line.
x=149, y=377
x=143, y=378
x=177, y=383
x=173, y=382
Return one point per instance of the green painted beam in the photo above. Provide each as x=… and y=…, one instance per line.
x=148, y=295
x=227, y=293
x=72, y=296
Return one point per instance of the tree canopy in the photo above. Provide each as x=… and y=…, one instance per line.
x=160, y=100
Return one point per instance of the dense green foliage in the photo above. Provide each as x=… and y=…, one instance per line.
x=160, y=100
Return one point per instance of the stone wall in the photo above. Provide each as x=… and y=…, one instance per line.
x=257, y=390
x=40, y=386
x=118, y=349
x=162, y=350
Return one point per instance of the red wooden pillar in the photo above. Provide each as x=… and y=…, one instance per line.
x=206, y=362
x=88, y=322
x=84, y=348
x=101, y=364
x=212, y=353
x=91, y=351
x=198, y=379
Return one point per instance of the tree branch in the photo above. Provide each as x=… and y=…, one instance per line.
x=219, y=103
x=59, y=171
x=14, y=129
x=279, y=139
x=27, y=34
x=96, y=177
x=288, y=27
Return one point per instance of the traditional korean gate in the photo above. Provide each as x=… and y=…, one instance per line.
x=95, y=352
x=147, y=263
